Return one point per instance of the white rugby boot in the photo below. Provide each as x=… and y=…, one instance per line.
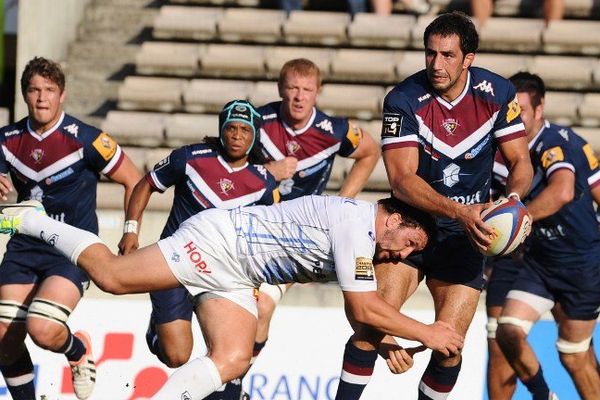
x=84, y=370
x=11, y=215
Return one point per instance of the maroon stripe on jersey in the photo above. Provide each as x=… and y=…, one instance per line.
x=438, y=387
x=226, y=185
x=456, y=125
x=38, y=155
x=151, y=183
x=595, y=184
x=399, y=145
x=356, y=370
x=117, y=165
x=512, y=136
x=306, y=145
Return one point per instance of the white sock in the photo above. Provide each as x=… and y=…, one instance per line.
x=65, y=238
x=196, y=379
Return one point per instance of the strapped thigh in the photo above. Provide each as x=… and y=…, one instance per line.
x=12, y=311
x=49, y=310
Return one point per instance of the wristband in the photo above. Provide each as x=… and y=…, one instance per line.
x=130, y=226
x=515, y=195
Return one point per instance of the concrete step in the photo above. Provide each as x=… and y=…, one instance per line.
x=94, y=52
x=129, y=3
x=118, y=17
x=88, y=89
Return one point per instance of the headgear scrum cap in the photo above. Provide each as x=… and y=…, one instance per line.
x=240, y=111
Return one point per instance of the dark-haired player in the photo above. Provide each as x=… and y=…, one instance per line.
x=56, y=159
x=562, y=255
x=441, y=129
x=221, y=256
x=223, y=172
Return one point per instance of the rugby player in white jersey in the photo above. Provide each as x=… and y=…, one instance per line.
x=222, y=256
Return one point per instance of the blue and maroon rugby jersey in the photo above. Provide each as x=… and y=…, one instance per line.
x=203, y=180
x=315, y=147
x=570, y=236
x=457, y=140
x=60, y=167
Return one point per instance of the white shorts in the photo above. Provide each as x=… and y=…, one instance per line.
x=202, y=256
x=275, y=292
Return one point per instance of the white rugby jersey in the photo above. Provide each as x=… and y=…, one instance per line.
x=312, y=238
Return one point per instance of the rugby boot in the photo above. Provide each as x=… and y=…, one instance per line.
x=11, y=215
x=84, y=370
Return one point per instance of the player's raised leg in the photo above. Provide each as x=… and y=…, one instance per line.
x=139, y=272
x=229, y=331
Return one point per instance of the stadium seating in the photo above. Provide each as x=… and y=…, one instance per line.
x=203, y=53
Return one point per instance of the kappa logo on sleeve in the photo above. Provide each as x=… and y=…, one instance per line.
x=363, y=271
x=392, y=124
x=105, y=145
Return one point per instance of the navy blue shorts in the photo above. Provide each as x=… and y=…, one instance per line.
x=171, y=304
x=575, y=288
x=451, y=258
x=32, y=261
x=504, y=273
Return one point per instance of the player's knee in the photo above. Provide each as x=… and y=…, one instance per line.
x=235, y=364
x=46, y=322
x=573, y=355
x=174, y=357
x=512, y=329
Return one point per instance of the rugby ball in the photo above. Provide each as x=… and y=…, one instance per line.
x=509, y=219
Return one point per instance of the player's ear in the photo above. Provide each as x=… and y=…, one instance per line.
x=394, y=220
x=62, y=96
x=469, y=58
x=539, y=110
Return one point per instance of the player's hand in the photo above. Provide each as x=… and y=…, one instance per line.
x=442, y=337
x=282, y=169
x=399, y=359
x=128, y=244
x=479, y=232
x=5, y=186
